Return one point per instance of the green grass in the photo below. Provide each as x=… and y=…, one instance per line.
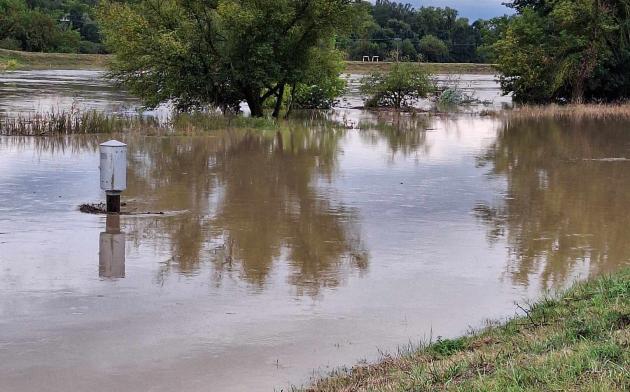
x=30, y=60
x=577, y=341
x=359, y=67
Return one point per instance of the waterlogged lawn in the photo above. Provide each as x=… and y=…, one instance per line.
x=579, y=340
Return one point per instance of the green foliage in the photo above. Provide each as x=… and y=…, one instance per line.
x=433, y=49
x=8, y=65
x=491, y=32
x=567, y=50
x=398, y=31
x=447, y=347
x=196, y=53
x=322, y=84
x=43, y=26
x=404, y=84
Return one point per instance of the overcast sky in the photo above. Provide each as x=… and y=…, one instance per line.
x=471, y=9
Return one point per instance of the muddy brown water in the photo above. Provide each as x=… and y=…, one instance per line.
x=283, y=255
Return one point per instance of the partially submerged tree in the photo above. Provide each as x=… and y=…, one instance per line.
x=399, y=88
x=220, y=52
x=566, y=50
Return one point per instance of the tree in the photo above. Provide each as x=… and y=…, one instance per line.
x=490, y=32
x=433, y=49
x=567, y=50
x=396, y=27
x=404, y=84
x=219, y=52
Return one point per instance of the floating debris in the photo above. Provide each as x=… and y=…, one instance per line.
x=101, y=208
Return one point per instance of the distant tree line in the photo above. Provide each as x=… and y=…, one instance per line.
x=65, y=26
x=397, y=31
x=390, y=30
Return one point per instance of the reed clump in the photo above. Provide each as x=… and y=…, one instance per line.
x=62, y=123
x=573, y=111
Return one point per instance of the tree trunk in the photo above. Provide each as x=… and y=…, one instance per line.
x=255, y=103
x=279, y=98
x=290, y=106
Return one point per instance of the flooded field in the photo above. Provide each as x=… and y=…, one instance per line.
x=271, y=256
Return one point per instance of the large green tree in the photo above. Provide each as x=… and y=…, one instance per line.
x=567, y=50
x=220, y=52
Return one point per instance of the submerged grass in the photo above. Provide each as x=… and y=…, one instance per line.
x=187, y=122
x=577, y=341
x=577, y=112
x=62, y=123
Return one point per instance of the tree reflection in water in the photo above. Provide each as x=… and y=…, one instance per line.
x=254, y=201
x=567, y=197
x=404, y=133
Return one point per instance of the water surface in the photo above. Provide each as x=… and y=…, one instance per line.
x=279, y=255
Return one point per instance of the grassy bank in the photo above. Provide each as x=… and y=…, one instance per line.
x=359, y=67
x=577, y=341
x=29, y=60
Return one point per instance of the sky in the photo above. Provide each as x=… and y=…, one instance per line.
x=471, y=9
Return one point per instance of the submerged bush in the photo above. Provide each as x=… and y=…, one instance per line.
x=322, y=85
x=403, y=85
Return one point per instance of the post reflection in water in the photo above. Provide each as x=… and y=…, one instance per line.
x=111, y=255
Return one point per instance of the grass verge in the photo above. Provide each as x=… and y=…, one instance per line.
x=577, y=341
x=358, y=67
x=30, y=60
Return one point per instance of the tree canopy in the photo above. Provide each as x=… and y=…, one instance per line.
x=399, y=31
x=49, y=26
x=567, y=50
x=221, y=52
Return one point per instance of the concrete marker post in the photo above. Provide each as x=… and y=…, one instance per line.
x=113, y=168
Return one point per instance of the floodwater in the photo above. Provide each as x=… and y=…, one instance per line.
x=270, y=257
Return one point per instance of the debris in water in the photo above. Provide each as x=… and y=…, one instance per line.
x=101, y=208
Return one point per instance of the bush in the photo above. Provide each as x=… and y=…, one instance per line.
x=88, y=47
x=322, y=84
x=400, y=88
x=10, y=43
x=433, y=49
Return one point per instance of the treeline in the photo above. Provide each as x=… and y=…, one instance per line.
x=392, y=31
x=397, y=31
x=65, y=26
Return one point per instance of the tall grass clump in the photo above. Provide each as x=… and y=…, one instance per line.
x=575, y=112
x=8, y=65
x=576, y=341
x=61, y=123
